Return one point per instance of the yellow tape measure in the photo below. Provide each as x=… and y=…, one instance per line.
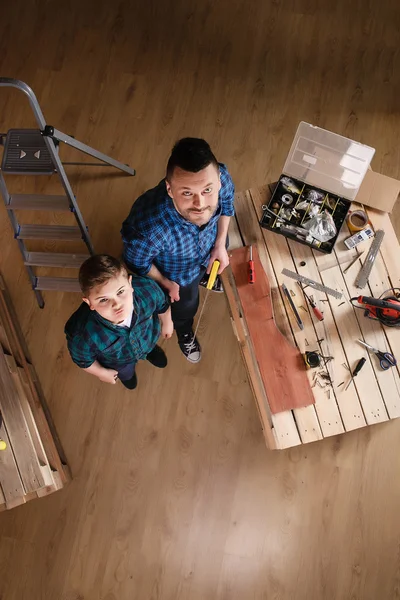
x=213, y=274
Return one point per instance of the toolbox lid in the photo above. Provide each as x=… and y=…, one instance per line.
x=328, y=160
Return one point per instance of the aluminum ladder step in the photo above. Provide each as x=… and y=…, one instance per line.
x=38, y=202
x=62, y=284
x=26, y=153
x=49, y=232
x=54, y=259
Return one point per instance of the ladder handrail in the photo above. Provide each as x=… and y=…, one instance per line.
x=33, y=101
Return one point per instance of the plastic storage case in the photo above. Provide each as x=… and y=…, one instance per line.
x=323, y=172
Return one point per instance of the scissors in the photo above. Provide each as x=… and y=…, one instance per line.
x=386, y=359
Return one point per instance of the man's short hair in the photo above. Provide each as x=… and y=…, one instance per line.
x=190, y=154
x=97, y=270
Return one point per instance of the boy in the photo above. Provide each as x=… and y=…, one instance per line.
x=116, y=326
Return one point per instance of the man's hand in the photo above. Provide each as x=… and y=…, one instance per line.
x=218, y=253
x=172, y=288
x=109, y=376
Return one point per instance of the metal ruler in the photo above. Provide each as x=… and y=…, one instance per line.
x=362, y=278
x=312, y=283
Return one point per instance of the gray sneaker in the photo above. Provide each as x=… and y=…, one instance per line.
x=190, y=347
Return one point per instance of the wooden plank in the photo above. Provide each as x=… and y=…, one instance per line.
x=349, y=330
x=284, y=426
x=40, y=411
x=348, y=403
x=281, y=365
x=20, y=381
x=372, y=331
x=285, y=253
x=2, y=500
x=235, y=239
x=10, y=479
x=254, y=376
x=18, y=431
x=252, y=233
x=390, y=247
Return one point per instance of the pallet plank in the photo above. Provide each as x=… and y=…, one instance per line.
x=281, y=365
x=251, y=366
x=10, y=480
x=246, y=203
x=349, y=330
x=372, y=331
x=18, y=430
x=21, y=385
x=40, y=411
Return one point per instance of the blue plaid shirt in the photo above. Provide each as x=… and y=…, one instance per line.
x=155, y=233
x=91, y=338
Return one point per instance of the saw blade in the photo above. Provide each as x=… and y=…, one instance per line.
x=362, y=278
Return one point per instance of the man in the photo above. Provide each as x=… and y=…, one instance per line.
x=176, y=230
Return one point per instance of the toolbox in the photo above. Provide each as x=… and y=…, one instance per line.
x=321, y=177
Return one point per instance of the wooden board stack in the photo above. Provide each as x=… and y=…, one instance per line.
x=374, y=396
x=31, y=465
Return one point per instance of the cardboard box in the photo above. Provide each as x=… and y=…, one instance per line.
x=378, y=191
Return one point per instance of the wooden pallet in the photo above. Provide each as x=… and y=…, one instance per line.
x=33, y=464
x=374, y=397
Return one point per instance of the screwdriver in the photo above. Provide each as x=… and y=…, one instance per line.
x=252, y=273
x=356, y=371
x=292, y=306
x=314, y=307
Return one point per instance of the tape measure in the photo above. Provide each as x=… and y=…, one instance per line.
x=312, y=359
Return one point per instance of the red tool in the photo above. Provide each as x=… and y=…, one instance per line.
x=385, y=310
x=314, y=307
x=252, y=272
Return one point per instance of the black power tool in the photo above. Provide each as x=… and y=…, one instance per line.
x=385, y=310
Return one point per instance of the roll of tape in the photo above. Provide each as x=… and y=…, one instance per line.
x=357, y=220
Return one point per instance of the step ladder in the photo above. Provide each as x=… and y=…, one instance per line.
x=36, y=152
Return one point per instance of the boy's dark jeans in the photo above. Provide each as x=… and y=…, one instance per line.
x=126, y=372
x=184, y=310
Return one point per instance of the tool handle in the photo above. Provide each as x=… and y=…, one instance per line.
x=359, y=366
x=378, y=302
x=292, y=306
x=386, y=360
x=252, y=273
x=213, y=274
x=318, y=313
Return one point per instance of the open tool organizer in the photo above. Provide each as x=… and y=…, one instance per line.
x=322, y=174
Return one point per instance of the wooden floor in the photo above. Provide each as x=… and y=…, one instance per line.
x=174, y=495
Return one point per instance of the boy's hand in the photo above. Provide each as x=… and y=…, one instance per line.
x=167, y=329
x=173, y=289
x=109, y=376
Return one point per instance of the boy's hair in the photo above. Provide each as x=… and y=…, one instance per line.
x=98, y=269
x=190, y=154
